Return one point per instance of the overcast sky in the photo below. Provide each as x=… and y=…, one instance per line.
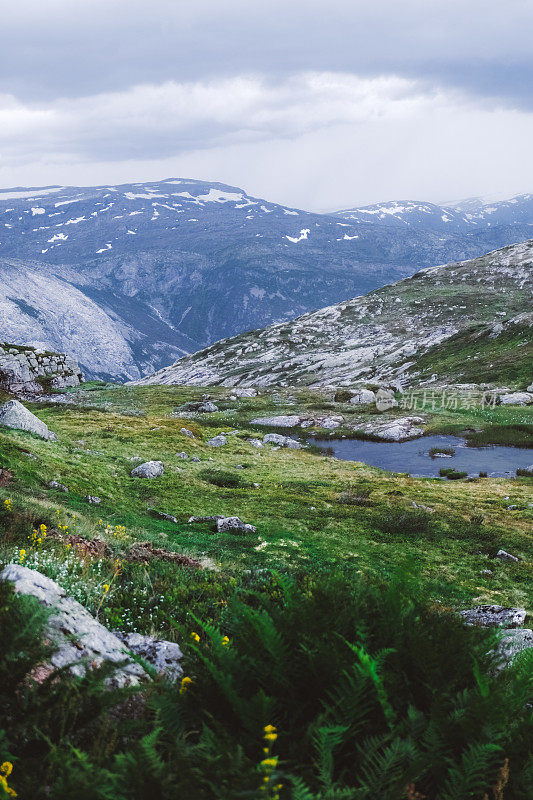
x=310, y=103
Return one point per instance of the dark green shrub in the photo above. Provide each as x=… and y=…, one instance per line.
x=219, y=477
x=524, y=473
x=343, y=395
x=398, y=521
x=452, y=474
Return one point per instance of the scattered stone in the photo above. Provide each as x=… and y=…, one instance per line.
x=492, y=616
x=256, y=442
x=195, y=459
x=55, y=485
x=307, y=423
x=14, y=415
x=332, y=422
x=486, y=572
x=277, y=422
x=363, y=397
x=81, y=641
x=516, y=399
x=163, y=656
x=182, y=455
x=210, y=520
x=282, y=441
x=187, y=432
x=162, y=515
x=244, y=392
x=217, y=441
x=530, y=388
x=504, y=556
x=95, y=501
x=150, y=469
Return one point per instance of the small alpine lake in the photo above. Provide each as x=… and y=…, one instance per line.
x=413, y=457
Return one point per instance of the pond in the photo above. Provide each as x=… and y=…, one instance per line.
x=497, y=461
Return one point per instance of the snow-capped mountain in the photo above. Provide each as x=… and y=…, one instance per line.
x=415, y=328
x=177, y=264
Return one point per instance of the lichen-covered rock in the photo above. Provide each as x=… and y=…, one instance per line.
x=513, y=642
x=187, y=432
x=150, y=469
x=14, y=415
x=217, y=441
x=503, y=555
x=163, y=656
x=81, y=641
x=234, y=525
x=396, y=430
x=55, y=485
x=493, y=616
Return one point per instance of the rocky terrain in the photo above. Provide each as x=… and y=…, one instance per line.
x=28, y=369
x=128, y=278
x=470, y=319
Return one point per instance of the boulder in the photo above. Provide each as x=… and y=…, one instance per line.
x=163, y=656
x=256, y=442
x=530, y=388
x=514, y=642
x=217, y=441
x=244, y=392
x=14, y=415
x=182, y=455
x=363, y=397
x=331, y=422
x=162, y=515
x=187, y=432
x=385, y=400
x=282, y=441
x=396, y=430
x=234, y=525
x=492, y=616
x=516, y=399
x=277, y=422
x=207, y=408
x=150, y=469
x=81, y=642
x=209, y=520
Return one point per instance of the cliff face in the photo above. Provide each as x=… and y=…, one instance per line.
x=29, y=369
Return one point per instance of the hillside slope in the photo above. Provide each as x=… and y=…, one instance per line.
x=384, y=334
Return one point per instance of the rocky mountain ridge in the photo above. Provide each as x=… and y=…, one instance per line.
x=382, y=336
x=128, y=278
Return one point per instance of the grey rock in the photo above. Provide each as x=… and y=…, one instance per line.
x=244, y=392
x=493, y=616
x=163, y=656
x=331, y=422
x=234, y=525
x=363, y=397
x=530, y=388
x=14, y=415
x=92, y=500
x=282, y=441
x=55, y=485
x=207, y=408
x=397, y=430
x=217, y=441
x=277, y=422
x=182, y=455
x=385, y=400
x=256, y=442
x=81, y=641
x=195, y=459
x=187, y=432
x=504, y=556
x=150, y=469
x=514, y=642
x=516, y=399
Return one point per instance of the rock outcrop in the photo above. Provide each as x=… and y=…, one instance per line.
x=14, y=415
x=150, y=469
x=28, y=369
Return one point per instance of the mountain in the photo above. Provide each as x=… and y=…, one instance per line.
x=465, y=320
x=148, y=272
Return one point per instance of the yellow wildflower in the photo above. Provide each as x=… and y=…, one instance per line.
x=106, y=587
x=225, y=641
x=195, y=636
x=185, y=683
x=6, y=768
x=22, y=557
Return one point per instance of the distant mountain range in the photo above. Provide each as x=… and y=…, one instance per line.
x=128, y=278
x=470, y=321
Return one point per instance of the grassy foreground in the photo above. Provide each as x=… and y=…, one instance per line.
x=347, y=562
